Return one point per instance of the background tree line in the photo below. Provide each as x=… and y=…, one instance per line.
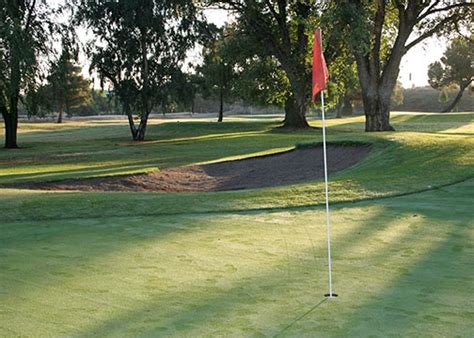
x=139, y=49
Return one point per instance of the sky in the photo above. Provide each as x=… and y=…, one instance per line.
x=413, y=69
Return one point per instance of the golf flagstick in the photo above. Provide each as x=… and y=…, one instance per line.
x=330, y=294
x=320, y=78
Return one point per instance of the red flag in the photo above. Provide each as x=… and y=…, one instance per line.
x=320, y=71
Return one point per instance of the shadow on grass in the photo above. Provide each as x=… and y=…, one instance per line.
x=429, y=294
x=428, y=123
x=168, y=152
x=262, y=289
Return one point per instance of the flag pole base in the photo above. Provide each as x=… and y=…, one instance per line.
x=330, y=295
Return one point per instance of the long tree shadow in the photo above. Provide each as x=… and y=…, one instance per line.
x=428, y=123
x=15, y=240
x=166, y=152
x=259, y=288
x=420, y=273
x=430, y=294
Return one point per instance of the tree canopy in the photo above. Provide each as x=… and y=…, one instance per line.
x=139, y=48
x=217, y=72
x=25, y=29
x=68, y=88
x=284, y=29
x=456, y=67
x=379, y=33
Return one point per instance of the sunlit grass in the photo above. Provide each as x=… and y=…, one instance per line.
x=399, y=268
x=242, y=263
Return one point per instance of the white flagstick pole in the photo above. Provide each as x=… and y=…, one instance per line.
x=330, y=294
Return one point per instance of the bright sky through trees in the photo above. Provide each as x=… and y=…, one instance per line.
x=415, y=62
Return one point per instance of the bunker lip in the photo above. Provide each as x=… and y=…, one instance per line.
x=290, y=167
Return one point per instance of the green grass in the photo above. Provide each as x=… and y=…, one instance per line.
x=244, y=263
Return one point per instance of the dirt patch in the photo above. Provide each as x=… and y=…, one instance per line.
x=266, y=171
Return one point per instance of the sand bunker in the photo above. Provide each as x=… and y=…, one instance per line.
x=290, y=167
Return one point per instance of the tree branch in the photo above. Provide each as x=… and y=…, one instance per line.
x=400, y=5
x=433, y=5
x=281, y=20
x=432, y=31
x=30, y=16
x=432, y=9
x=377, y=32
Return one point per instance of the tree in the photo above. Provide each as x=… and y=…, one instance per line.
x=139, y=48
x=258, y=77
x=38, y=101
x=192, y=88
x=261, y=79
x=456, y=68
x=69, y=88
x=285, y=29
x=217, y=73
x=343, y=86
x=24, y=28
x=378, y=35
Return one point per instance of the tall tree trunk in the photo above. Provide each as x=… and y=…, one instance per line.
x=378, y=119
x=140, y=131
x=377, y=79
x=295, y=104
x=221, y=106
x=131, y=123
x=60, y=115
x=11, y=126
x=377, y=111
x=347, y=109
x=295, y=111
x=458, y=97
x=11, y=117
x=376, y=92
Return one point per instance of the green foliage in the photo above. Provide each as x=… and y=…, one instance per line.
x=343, y=86
x=260, y=77
x=455, y=69
x=24, y=33
x=139, y=48
x=436, y=75
x=443, y=96
x=281, y=30
x=69, y=89
x=456, y=66
x=39, y=102
x=25, y=30
x=217, y=71
x=244, y=69
x=397, y=95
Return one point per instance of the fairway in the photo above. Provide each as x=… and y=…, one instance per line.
x=245, y=262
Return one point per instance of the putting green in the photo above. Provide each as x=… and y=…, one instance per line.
x=401, y=267
x=249, y=263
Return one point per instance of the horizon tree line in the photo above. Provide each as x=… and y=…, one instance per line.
x=139, y=50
